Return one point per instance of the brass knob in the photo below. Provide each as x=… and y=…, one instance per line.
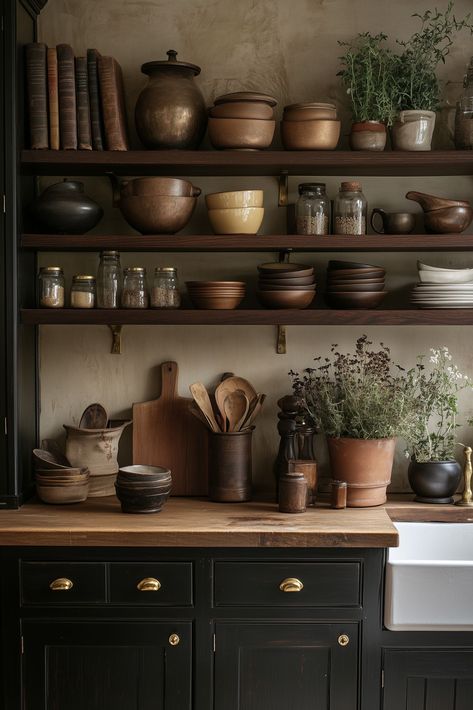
x=291, y=584
x=343, y=640
x=174, y=639
x=62, y=584
x=149, y=584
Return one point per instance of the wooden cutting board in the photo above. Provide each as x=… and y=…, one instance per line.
x=165, y=433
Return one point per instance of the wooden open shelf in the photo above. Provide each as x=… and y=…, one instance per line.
x=228, y=162
x=240, y=316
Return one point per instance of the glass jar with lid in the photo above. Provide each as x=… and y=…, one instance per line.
x=135, y=289
x=83, y=291
x=109, y=280
x=312, y=209
x=51, y=287
x=464, y=113
x=350, y=209
x=165, y=291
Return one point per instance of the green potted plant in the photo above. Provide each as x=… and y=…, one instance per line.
x=367, y=75
x=433, y=472
x=417, y=87
x=361, y=402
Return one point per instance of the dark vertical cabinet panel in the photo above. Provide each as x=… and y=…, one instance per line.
x=276, y=666
x=105, y=666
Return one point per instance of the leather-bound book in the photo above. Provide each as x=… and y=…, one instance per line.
x=84, y=134
x=37, y=93
x=94, y=98
x=113, y=104
x=53, y=99
x=67, y=97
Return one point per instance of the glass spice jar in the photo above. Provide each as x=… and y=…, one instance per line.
x=51, y=287
x=165, y=291
x=135, y=290
x=312, y=209
x=109, y=280
x=83, y=291
x=350, y=210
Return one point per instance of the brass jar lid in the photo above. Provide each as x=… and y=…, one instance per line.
x=169, y=63
x=83, y=277
x=135, y=269
x=51, y=269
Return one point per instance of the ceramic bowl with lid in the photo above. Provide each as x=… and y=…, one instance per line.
x=309, y=111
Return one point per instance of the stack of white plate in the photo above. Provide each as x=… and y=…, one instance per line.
x=443, y=288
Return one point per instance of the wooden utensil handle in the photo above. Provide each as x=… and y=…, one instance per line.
x=169, y=375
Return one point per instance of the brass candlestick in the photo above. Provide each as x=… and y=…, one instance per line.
x=466, y=499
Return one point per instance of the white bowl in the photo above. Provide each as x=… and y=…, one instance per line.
x=462, y=276
x=426, y=267
x=241, y=220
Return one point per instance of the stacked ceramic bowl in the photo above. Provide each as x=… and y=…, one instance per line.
x=237, y=212
x=216, y=295
x=353, y=285
x=443, y=288
x=243, y=120
x=143, y=489
x=310, y=126
x=56, y=481
x=286, y=285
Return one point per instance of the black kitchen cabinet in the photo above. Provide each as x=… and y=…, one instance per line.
x=278, y=665
x=96, y=665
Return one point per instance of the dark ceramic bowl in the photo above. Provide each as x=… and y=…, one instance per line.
x=139, y=472
x=355, y=288
x=292, y=281
x=268, y=287
x=285, y=271
x=335, y=265
x=286, y=299
x=137, y=503
x=355, y=300
x=434, y=481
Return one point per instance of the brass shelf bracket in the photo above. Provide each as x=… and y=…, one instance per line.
x=116, y=331
x=283, y=188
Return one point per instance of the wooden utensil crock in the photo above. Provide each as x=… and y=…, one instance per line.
x=230, y=466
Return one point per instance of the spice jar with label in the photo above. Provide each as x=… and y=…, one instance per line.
x=51, y=287
x=165, y=291
x=350, y=210
x=135, y=290
x=109, y=280
x=83, y=291
x=312, y=209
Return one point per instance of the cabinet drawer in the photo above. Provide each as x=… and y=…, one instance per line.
x=320, y=584
x=162, y=583
x=63, y=583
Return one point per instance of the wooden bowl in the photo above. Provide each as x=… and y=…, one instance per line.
x=236, y=198
x=286, y=299
x=285, y=271
x=294, y=281
x=216, y=303
x=268, y=287
x=197, y=284
x=238, y=220
x=310, y=112
x=241, y=133
x=448, y=220
x=356, y=282
x=355, y=300
x=355, y=288
x=46, y=460
x=310, y=135
x=243, y=109
x=357, y=273
x=58, y=495
x=153, y=186
x=161, y=214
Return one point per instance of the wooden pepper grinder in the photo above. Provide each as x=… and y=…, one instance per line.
x=287, y=428
x=466, y=500
x=306, y=439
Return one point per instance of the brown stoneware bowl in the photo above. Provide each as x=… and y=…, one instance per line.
x=295, y=281
x=355, y=282
x=310, y=111
x=448, y=220
x=243, y=109
x=161, y=214
x=216, y=303
x=266, y=287
x=355, y=300
x=241, y=133
x=252, y=96
x=361, y=273
x=286, y=299
x=152, y=186
x=45, y=459
x=285, y=271
x=336, y=265
x=355, y=288
x=310, y=135
x=59, y=495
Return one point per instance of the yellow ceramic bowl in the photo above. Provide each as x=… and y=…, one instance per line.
x=239, y=220
x=230, y=200
x=310, y=135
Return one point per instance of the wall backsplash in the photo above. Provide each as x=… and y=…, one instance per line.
x=289, y=50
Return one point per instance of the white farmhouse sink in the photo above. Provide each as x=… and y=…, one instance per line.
x=429, y=578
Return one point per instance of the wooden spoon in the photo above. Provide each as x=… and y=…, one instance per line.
x=236, y=407
x=229, y=385
x=242, y=419
x=202, y=399
x=94, y=417
x=251, y=416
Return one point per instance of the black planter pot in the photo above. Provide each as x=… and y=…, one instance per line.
x=434, y=481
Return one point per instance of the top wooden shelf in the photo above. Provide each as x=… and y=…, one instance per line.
x=271, y=162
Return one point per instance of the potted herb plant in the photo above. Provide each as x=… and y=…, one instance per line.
x=366, y=73
x=361, y=401
x=433, y=472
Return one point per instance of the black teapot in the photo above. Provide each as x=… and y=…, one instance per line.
x=64, y=208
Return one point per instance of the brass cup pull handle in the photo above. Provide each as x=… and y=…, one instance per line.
x=291, y=584
x=62, y=584
x=149, y=584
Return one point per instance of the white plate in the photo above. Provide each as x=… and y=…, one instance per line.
x=446, y=277
x=447, y=288
x=438, y=307
x=426, y=267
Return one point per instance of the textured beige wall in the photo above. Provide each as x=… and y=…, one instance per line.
x=286, y=48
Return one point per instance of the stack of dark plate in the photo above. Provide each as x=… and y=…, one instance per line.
x=352, y=285
x=143, y=489
x=286, y=285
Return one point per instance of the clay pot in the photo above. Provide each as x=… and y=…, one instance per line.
x=152, y=186
x=442, y=216
x=64, y=208
x=159, y=214
x=365, y=465
x=241, y=133
x=368, y=135
x=434, y=481
x=230, y=466
x=413, y=130
x=318, y=134
x=170, y=111
x=309, y=111
x=394, y=222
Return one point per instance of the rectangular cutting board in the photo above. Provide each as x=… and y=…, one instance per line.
x=165, y=433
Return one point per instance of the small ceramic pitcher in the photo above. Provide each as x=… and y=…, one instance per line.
x=394, y=222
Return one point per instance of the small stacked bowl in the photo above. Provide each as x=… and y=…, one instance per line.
x=243, y=120
x=310, y=126
x=353, y=285
x=237, y=212
x=443, y=288
x=143, y=489
x=58, y=483
x=286, y=285
x=216, y=295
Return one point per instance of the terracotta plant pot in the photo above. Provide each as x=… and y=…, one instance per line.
x=368, y=135
x=365, y=465
x=413, y=130
x=434, y=481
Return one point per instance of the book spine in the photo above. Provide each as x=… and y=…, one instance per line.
x=67, y=97
x=84, y=134
x=53, y=99
x=37, y=93
x=113, y=104
x=94, y=99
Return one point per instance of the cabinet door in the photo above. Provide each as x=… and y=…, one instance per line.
x=281, y=665
x=440, y=679
x=107, y=665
